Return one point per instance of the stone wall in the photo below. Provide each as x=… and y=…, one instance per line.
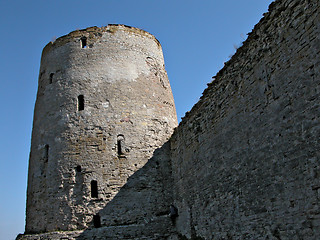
x=242, y=164
x=104, y=104
x=140, y=210
x=245, y=159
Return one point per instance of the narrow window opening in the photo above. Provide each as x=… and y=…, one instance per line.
x=94, y=189
x=96, y=221
x=46, y=152
x=80, y=103
x=78, y=168
x=120, y=145
x=83, y=42
x=173, y=213
x=51, y=78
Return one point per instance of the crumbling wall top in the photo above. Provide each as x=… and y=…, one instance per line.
x=275, y=9
x=96, y=32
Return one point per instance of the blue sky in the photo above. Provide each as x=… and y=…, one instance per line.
x=197, y=37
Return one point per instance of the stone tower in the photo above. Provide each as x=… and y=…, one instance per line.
x=104, y=104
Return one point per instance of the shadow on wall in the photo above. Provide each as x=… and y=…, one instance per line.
x=141, y=208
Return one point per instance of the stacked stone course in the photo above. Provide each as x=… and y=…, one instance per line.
x=242, y=164
x=246, y=158
x=104, y=105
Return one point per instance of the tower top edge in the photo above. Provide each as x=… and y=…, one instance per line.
x=111, y=28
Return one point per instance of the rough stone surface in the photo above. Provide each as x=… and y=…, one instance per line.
x=242, y=164
x=127, y=101
x=245, y=160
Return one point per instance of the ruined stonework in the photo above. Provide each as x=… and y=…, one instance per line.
x=244, y=163
x=104, y=104
x=246, y=158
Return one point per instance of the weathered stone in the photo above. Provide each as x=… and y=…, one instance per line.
x=249, y=174
x=242, y=164
x=104, y=105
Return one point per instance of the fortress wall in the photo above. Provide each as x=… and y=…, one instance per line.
x=84, y=149
x=245, y=159
x=141, y=207
x=138, y=211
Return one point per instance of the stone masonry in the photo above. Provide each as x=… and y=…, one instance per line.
x=246, y=159
x=244, y=163
x=104, y=104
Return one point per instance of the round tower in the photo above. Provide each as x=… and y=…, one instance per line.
x=104, y=104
